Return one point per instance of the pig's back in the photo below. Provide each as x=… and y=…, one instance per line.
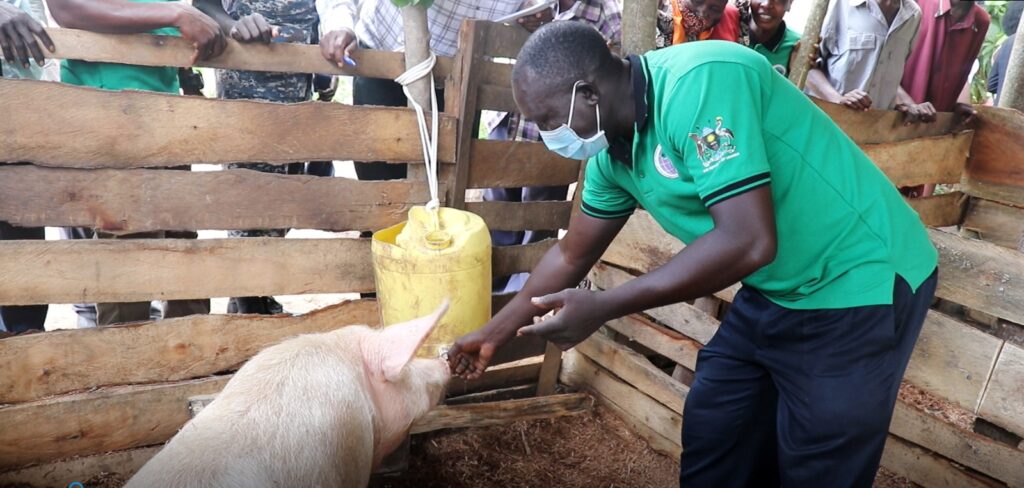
x=297, y=414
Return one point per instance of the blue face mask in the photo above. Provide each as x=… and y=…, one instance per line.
x=567, y=143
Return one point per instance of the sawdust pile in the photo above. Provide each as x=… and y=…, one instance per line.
x=589, y=450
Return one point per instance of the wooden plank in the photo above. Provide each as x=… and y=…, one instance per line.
x=147, y=200
x=681, y=317
x=517, y=259
x=523, y=215
x=642, y=246
x=939, y=159
x=89, y=423
x=498, y=413
x=504, y=40
x=496, y=73
x=548, y=378
x=40, y=365
x=1003, y=404
x=504, y=375
x=82, y=469
x=940, y=210
x=580, y=372
x=967, y=448
x=635, y=370
x=1002, y=225
x=507, y=164
x=123, y=270
x=995, y=170
x=980, y=275
x=878, y=126
x=926, y=469
x=661, y=340
x=472, y=41
x=503, y=394
x=140, y=270
x=150, y=50
x=655, y=440
x=953, y=360
x=496, y=97
x=109, y=129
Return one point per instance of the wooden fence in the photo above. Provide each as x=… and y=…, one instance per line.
x=109, y=395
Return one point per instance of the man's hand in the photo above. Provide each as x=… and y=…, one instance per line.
x=338, y=45
x=18, y=33
x=471, y=353
x=965, y=112
x=812, y=56
x=203, y=31
x=253, y=28
x=576, y=315
x=856, y=100
x=914, y=113
x=533, y=22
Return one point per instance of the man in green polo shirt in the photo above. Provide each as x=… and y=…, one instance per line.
x=165, y=17
x=798, y=385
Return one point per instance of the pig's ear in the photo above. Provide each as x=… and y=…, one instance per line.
x=400, y=341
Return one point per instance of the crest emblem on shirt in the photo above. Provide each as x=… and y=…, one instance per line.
x=714, y=144
x=664, y=165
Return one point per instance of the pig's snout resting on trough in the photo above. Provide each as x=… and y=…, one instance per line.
x=317, y=410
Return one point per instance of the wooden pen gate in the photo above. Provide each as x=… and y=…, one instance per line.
x=114, y=394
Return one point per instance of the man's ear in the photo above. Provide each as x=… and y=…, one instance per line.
x=590, y=92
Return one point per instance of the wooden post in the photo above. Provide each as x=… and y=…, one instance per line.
x=812, y=34
x=417, y=48
x=639, y=26
x=1012, y=94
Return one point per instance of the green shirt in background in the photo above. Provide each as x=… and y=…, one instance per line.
x=779, y=48
x=719, y=122
x=111, y=76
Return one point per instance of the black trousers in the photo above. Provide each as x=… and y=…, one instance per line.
x=19, y=319
x=387, y=93
x=798, y=398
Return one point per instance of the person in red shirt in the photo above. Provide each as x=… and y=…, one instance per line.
x=937, y=71
x=682, y=21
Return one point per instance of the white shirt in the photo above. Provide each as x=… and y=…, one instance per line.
x=378, y=23
x=863, y=52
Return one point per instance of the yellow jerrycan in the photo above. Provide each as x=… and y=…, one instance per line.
x=435, y=255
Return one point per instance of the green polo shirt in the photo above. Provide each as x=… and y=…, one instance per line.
x=714, y=120
x=778, y=49
x=111, y=76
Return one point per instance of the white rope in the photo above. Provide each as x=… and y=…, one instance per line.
x=428, y=139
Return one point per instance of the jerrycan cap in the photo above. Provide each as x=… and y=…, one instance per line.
x=438, y=239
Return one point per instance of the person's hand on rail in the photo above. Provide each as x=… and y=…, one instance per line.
x=856, y=100
x=253, y=28
x=914, y=113
x=204, y=33
x=18, y=34
x=337, y=45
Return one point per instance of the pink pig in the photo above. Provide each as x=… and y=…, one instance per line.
x=317, y=410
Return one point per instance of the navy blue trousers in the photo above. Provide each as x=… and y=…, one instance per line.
x=798, y=398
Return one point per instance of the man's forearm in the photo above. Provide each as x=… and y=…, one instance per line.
x=555, y=272
x=818, y=86
x=114, y=16
x=709, y=264
x=215, y=9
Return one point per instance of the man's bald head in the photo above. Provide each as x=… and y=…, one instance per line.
x=553, y=59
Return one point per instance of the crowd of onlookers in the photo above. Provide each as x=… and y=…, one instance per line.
x=915, y=56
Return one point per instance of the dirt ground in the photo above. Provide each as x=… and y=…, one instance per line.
x=592, y=450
